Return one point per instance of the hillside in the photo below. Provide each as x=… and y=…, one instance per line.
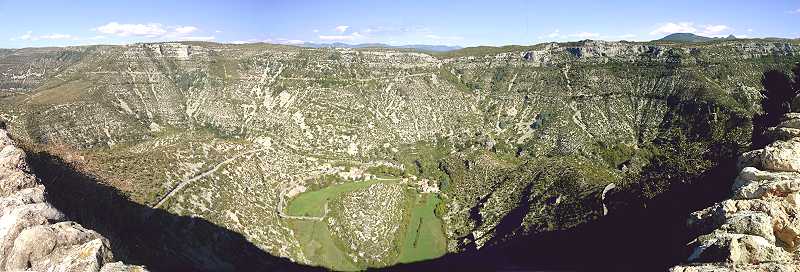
x=692, y=38
x=344, y=158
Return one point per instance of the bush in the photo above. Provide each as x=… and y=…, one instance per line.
x=777, y=96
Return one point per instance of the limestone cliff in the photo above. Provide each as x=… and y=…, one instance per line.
x=757, y=228
x=34, y=235
x=231, y=137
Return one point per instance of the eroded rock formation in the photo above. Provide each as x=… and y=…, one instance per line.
x=758, y=228
x=34, y=235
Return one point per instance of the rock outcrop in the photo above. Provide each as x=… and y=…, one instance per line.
x=758, y=228
x=34, y=235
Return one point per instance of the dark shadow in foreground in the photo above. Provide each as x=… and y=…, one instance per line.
x=632, y=239
x=141, y=235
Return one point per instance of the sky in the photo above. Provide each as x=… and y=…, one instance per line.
x=463, y=22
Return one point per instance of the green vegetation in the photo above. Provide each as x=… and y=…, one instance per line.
x=313, y=203
x=319, y=246
x=424, y=238
x=615, y=154
x=516, y=145
x=385, y=171
x=423, y=160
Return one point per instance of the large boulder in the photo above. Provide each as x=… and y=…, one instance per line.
x=758, y=228
x=34, y=235
x=782, y=156
x=736, y=249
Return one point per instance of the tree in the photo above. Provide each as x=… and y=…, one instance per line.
x=778, y=93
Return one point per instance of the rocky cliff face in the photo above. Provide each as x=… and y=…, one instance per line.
x=758, y=228
x=34, y=235
x=234, y=134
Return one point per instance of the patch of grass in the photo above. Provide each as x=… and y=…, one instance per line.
x=61, y=93
x=424, y=238
x=319, y=246
x=316, y=239
x=313, y=203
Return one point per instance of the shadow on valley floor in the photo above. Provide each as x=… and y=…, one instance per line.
x=139, y=234
x=632, y=239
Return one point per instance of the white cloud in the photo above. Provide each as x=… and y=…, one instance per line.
x=275, y=41
x=437, y=37
x=557, y=35
x=183, y=30
x=384, y=34
x=713, y=30
x=797, y=11
x=150, y=30
x=28, y=36
x=627, y=36
x=341, y=28
x=689, y=27
x=285, y=41
x=199, y=38
x=295, y=42
x=25, y=37
x=353, y=36
x=669, y=28
x=57, y=37
x=584, y=35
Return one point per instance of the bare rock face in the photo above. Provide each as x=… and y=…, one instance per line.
x=758, y=228
x=782, y=156
x=33, y=233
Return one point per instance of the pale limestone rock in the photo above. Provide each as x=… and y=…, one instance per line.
x=782, y=156
x=13, y=169
x=758, y=229
x=736, y=249
x=33, y=234
x=751, y=159
x=727, y=267
x=782, y=133
x=753, y=183
x=790, y=120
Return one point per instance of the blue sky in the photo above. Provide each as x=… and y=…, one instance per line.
x=464, y=22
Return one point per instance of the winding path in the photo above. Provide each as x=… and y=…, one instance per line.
x=202, y=175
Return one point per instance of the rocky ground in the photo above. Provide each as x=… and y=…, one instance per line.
x=34, y=235
x=227, y=133
x=758, y=228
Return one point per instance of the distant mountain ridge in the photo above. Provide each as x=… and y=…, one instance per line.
x=689, y=37
x=424, y=47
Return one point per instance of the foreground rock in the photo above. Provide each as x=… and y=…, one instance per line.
x=34, y=235
x=758, y=228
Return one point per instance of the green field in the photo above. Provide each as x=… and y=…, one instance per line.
x=315, y=237
x=313, y=203
x=319, y=246
x=424, y=237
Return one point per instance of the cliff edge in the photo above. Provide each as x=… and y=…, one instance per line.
x=34, y=235
x=758, y=227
